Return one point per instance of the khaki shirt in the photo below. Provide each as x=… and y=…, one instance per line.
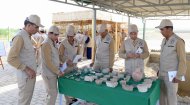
x=61, y=53
x=64, y=58
x=13, y=57
x=181, y=58
x=122, y=52
x=62, y=49
x=34, y=43
x=41, y=40
x=182, y=67
x=46, y=50
x=123, y=35
x=111, y=53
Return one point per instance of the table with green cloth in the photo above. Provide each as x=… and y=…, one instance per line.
x=103, y=95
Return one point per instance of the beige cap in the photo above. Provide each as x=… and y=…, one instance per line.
x=70, y=30
x=164, y=23
x=132, y=28
x=35, y=19
x=54, y=29
x=102, y=28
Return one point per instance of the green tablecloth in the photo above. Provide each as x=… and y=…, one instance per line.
x=103, y=95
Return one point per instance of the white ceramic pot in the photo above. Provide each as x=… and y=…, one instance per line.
x=142, y=88
x=111, y=84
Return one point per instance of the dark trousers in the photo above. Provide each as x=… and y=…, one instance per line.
x=89, y=53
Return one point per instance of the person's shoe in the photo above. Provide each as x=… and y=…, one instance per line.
x=73, y=101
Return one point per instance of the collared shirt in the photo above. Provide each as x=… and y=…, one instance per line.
x=13, y=57
x=62, y=49
x=181, y=55
x=182, y=68
x=47, y=50
x=123, y=35
x=122, y=52
x=14, y=53
x=111, y=53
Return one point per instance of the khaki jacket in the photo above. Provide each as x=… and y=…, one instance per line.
x=50, y=58
x=22, y=53
x=173, y=57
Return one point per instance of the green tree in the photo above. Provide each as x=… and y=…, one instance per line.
x=7, y=33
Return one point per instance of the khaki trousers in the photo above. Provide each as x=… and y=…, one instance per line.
x=26, y=88
x=51, y=89
x=168, y=95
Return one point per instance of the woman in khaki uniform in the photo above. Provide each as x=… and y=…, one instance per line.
x=122, y=37
x=68, y=49
x=134, y=50
x=50, y=64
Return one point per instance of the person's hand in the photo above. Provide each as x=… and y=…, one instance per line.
x=175, y=80
x=69, y=63
x=137, y=55
x=157, y=73
x=111, y=69
x=79, y=59
x=60, y=65
x=30, y=72
x=61, y=74
x=91, y=64
x=130, y=55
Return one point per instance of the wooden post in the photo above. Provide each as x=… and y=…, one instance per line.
x=93, y=32
x=1, y=63
x=116, y=38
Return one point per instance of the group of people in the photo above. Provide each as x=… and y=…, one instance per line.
x=22, y=57
x=172, y=58
x=83, y=39
x=133, y=49
x=37, y=40
x=85, y=43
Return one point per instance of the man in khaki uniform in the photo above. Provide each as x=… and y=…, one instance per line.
x=68, y=49
x=104, y=50
x=22, y=57
x=36, y=38
x=134, y=50
x=122, y=37
x=172, y=58
x=50, y=64
x=80, y=38
x=42, y=38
